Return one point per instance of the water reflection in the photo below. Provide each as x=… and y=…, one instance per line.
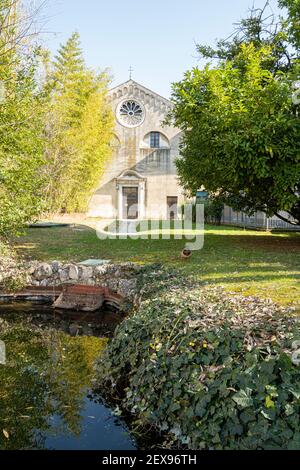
x=99, y=431
x=44, y=403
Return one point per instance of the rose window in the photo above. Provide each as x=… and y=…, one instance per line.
x=131, y=113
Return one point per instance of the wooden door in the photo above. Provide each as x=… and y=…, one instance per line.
x=130, y=202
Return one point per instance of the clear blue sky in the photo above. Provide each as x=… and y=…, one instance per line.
x=156, y=37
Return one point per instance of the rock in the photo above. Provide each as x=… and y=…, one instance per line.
x=86, y=272
x=64, y=275
x=137, y=268
x=111, y=268
x=44, y=271
x=113, y=284
x=44, y=283
x=31, y=269
x=101, y=270
x=56, y=266
x=74, y=273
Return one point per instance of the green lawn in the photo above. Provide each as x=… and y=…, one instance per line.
x=254, y=263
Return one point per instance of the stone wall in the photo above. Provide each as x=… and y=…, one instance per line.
x=119, y=278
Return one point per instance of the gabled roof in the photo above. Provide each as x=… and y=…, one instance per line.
x=134, y=84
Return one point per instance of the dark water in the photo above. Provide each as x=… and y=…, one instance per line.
x=45, y=383
x=99, y=430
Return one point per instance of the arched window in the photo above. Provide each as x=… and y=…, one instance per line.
x=156, y=140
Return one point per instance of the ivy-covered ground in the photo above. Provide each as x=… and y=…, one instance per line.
x=206, y=370
x=243, y=261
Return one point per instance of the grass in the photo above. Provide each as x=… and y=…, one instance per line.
x=242, y=261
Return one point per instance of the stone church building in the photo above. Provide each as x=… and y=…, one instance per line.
x=140, y=181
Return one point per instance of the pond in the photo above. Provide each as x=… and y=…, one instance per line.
x=46, y=382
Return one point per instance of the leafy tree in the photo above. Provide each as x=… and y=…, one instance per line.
x=21, y=124
x=260, y=28
x=293, y=20
x=79, y=129
x=241, y=128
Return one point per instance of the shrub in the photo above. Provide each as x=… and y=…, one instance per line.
x=213, y=211
x=208, y=371
x=13, y=275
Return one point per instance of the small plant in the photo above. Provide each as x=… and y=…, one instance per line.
x=14, y=283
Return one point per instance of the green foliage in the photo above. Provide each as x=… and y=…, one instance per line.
x=262, y=28
x=54, y=137
x=12, y=271
x=21, y=127
x=241, y=133
x=293, y=20
x=238, y=118
x=14, y=282
x=79, y=129
x=208, y=371
x=213, y=210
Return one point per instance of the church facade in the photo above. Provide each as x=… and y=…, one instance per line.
x=140, y=181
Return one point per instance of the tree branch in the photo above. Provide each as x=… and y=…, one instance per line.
x=285, y=219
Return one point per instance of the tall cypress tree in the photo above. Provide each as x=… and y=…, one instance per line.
x=80, y=129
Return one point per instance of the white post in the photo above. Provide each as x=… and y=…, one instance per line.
x=120, y=201
x=142, y=200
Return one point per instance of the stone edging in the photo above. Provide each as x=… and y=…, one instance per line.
x=120, y=278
